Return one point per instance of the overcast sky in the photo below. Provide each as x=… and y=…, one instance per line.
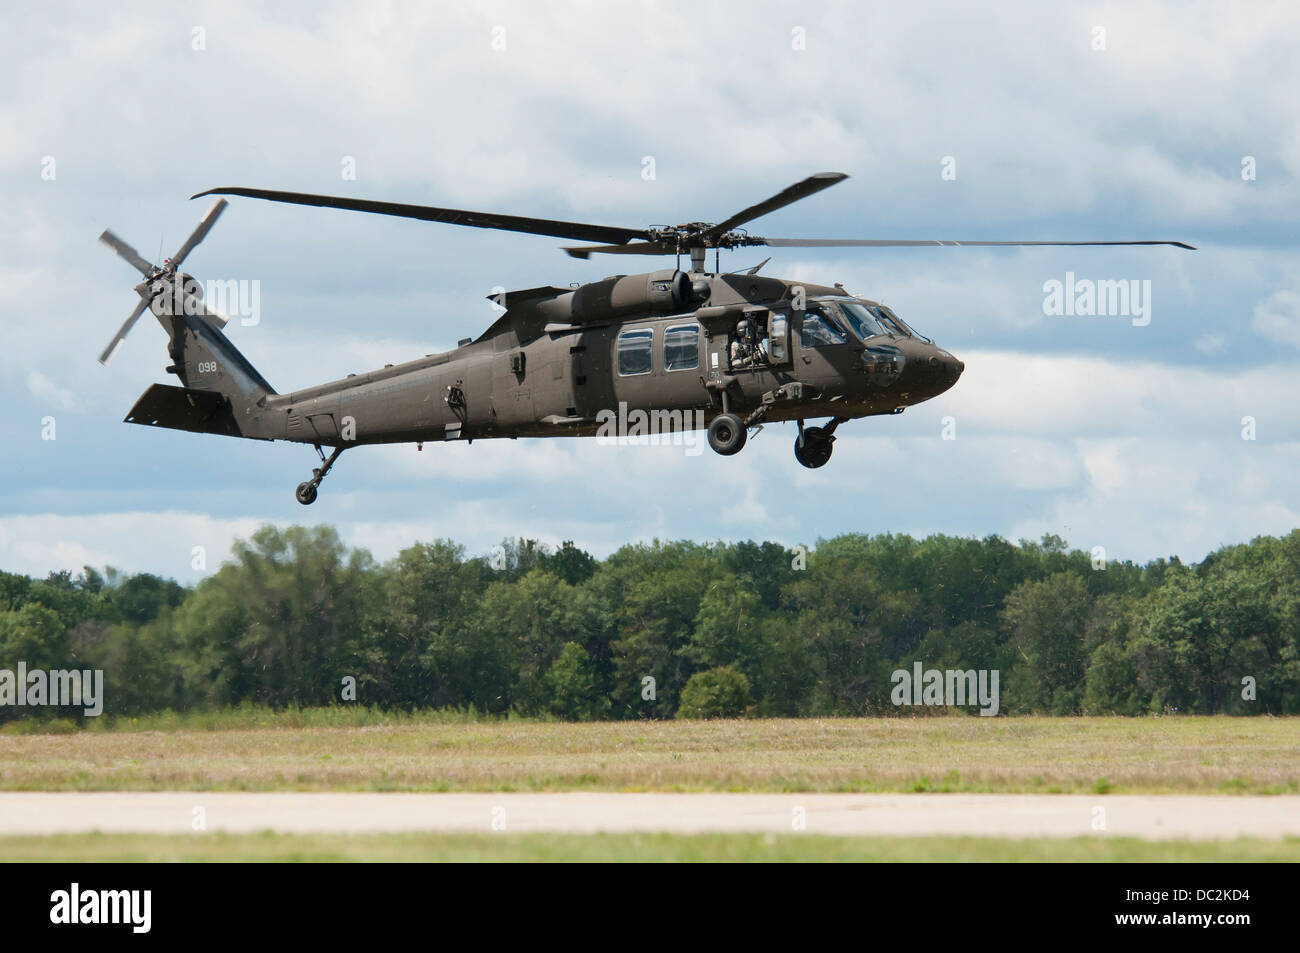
x=1084, y=121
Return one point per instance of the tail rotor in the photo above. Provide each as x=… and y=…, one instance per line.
x=160, y=280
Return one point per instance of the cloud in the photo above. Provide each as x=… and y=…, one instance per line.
x=45, y=390
x=1172, y=498
x=1278, y=318
x=1209, y=344
x=158, y=542
x=1086, y=427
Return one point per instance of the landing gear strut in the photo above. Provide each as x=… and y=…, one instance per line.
x=813, y=446
x=306, y=492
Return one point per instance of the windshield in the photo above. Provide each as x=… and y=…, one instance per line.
x=864, y=323
x=891, y=318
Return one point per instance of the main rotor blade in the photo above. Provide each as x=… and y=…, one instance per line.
x=634, y=248
x=800, y=190
x=123, y=331
x=126, y=251
x=577, y=231
x=205, y=226
x=891, y=243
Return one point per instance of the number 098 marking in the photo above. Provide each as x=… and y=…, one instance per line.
x=207, y=367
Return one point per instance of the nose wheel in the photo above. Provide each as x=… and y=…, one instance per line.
x=306, y=492
x=813, y=446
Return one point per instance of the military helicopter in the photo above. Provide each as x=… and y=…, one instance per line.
x=683, y=349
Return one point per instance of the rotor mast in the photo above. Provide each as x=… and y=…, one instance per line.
x=698, y=254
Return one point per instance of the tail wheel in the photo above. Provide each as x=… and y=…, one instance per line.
x=306, y=493
x=813, y=447
x=726, y=434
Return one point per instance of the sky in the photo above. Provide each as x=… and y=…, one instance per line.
x=1017, y=121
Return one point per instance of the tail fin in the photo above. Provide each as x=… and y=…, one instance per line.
x=223, y=392
x=203, y=357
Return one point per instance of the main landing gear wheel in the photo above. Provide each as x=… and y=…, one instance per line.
x=727, y=434
x=306, y=492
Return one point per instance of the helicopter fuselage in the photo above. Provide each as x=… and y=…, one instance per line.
x=530, y=376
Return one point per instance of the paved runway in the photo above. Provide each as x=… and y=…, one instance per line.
x=1002, y=815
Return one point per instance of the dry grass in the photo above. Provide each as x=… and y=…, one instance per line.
x=956, y=753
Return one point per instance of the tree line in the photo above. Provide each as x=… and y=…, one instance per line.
x=673, y=629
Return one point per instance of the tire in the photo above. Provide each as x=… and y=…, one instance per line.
x=813, y=448
x=727, y=434
x=305, y=494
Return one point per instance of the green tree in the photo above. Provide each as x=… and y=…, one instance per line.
x=715, y=693
x=573, y=686
x=1111, y=683
x=1049, y=623
x=573, y=565
x=281, y=624
x=656, y=590
x=421, y=650
x=726, y=627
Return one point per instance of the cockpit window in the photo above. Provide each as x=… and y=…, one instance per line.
x=887, y=322
x=819, y=329
x=905, y=328
x=864, y=323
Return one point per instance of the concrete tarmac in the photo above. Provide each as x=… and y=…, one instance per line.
x=982, y=815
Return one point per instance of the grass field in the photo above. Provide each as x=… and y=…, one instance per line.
x=341, y=751
x=627, y=847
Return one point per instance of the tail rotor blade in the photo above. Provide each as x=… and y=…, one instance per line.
x=126, y=251
x=123, y=331
x=205, y=226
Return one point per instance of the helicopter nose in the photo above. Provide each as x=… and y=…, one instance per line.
x=946, y=367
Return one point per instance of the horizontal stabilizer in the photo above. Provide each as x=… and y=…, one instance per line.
x=184, y=408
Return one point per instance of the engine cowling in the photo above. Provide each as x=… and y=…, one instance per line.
x=659, y=292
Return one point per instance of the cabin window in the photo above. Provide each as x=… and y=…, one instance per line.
x=682, y=348
x=634, y=349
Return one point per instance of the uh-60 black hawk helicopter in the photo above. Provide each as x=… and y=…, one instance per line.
x=680, y=347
